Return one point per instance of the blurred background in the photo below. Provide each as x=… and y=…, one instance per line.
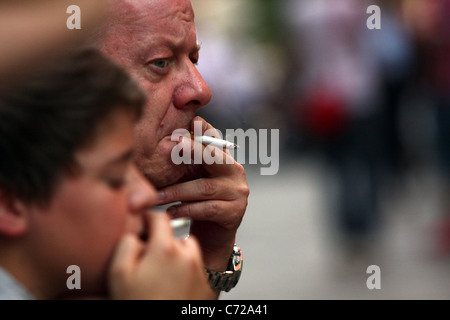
x=364, y=123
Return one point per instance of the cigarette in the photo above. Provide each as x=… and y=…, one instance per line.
x=179, y=223
x=206, y=140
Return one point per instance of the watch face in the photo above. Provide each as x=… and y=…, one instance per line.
x=237, y=259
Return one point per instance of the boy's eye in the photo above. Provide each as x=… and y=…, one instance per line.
x=115, y=183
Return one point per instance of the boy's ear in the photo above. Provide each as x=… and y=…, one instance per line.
x=13, y=217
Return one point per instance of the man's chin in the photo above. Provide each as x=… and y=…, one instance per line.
x=162, y=172
x=166, y=176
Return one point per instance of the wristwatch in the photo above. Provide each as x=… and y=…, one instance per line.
x=227, y=280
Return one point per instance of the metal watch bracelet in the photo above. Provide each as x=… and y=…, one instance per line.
x=227, y=280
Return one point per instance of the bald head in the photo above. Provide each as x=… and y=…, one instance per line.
x=156, y=8
x=132, y=13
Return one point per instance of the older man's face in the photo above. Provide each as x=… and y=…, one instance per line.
x=155, y=40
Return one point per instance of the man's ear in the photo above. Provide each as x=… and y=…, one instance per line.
x=13, y=216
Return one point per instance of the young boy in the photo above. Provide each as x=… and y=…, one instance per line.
x=70, y=195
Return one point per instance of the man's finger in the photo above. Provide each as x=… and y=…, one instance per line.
x=216, y=161
x=207, y=127
x=211, y=210
x=197, y=190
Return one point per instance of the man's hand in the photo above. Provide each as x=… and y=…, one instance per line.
x=215, y=197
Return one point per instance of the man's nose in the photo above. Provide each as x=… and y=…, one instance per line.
x=143, y=195
x=192, y=90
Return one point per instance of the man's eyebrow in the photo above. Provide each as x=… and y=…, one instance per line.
x=149, y=50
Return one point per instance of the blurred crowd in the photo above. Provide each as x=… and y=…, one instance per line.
x=373, y=105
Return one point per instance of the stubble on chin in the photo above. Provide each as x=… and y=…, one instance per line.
x=160, y=171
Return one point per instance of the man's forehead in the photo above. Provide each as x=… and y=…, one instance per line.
x=149, y=25
x=156, y=9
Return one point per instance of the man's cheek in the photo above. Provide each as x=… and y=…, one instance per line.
x=145, y=146
x=162, y=171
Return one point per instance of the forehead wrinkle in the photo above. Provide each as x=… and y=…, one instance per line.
x=145, y=23
x=158, y=10
x=132, y=16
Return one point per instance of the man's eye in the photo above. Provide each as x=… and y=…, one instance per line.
x=162, y=63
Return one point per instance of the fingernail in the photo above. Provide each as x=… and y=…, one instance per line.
x=161, y=196
x=172, y=211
